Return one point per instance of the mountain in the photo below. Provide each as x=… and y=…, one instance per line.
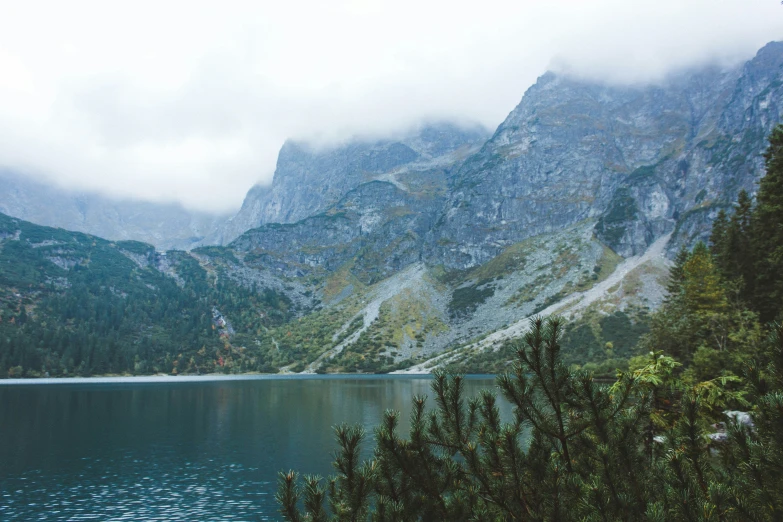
x=165, y=225
x=643, y=161
x=433, y=249
x=309, y=180
x=576, y=167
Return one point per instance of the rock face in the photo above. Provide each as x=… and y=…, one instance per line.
x=643, y=161
x=378, y=227
x=166, y=226
x=308, y=181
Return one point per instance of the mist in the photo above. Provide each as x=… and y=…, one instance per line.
x=190, y=102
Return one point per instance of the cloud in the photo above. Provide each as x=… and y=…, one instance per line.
x=190, y=101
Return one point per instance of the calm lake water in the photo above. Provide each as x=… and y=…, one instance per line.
x=194, y=450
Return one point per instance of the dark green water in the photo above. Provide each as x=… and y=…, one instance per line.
x=204, y=450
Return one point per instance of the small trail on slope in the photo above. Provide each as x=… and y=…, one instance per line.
x=571, y=304
x=410, y=277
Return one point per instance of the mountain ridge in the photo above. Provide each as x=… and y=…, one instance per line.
x=165, y=225
x=395, y=252
x=309, y=180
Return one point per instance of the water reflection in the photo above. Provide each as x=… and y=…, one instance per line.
x=178, y=451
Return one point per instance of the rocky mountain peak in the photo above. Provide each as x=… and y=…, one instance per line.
x=643, y=160
x=308, y=180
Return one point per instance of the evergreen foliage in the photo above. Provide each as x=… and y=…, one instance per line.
x=720, y=298
x=74, y=304
x=768, y=232
x=574, y=450
x=748, y=245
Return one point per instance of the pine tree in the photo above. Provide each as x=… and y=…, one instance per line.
x=754, y=454
x=673, y=330
x=768, y=232
x=740, y=254
x=702, y=291
x=718, y=243
x=677, y=276
x=574, y=450
x=461, y=463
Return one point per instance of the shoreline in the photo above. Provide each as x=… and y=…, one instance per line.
x=153, y=379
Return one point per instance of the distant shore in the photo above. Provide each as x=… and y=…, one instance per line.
x=215, y=377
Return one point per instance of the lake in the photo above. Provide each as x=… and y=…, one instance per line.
x=178, y=449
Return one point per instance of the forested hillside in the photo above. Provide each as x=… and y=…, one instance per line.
x=74, y=304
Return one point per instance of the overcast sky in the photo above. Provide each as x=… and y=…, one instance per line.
x=191, y=101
